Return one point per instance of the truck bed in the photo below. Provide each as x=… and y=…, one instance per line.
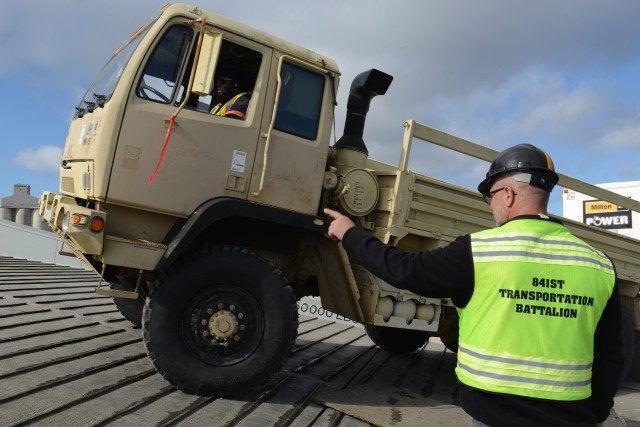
x=434, y=212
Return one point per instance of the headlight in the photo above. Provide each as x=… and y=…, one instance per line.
x=65, y=222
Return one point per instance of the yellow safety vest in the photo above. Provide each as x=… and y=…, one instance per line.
x=221, y=110
x=529, y=327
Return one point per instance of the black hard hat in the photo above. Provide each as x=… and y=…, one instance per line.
x=536, y=165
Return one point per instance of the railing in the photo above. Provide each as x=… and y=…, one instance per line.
x=414, y=129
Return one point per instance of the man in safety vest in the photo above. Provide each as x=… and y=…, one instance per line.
x=540, y=320
x=231, y=96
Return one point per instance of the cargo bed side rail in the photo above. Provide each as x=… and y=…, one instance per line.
x=413, y=129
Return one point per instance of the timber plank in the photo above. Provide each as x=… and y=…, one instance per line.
x=45, y=376
x=54, y=354
x=66, y=336
x=114, y=405
x=44, y=401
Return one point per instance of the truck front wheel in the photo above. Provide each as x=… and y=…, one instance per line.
x=222, y=323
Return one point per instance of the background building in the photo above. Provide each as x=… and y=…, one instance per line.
x=22, y=208
x=600, y=213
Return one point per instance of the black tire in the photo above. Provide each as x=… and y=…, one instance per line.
x=221, y=324
x=131, y=309
x=396, y=340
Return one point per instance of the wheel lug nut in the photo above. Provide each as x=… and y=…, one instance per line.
x=232, y=307
x=209, y=311
x=205, y=333
x=203, y=322
x=241, y=327
x=221, y=306
x=236, y=338
x=240, y=315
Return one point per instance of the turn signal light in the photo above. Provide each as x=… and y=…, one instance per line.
x=97, y=224
x=78, y=219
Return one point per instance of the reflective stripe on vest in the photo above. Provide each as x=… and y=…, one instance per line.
x=528, y=328
x=222, y=110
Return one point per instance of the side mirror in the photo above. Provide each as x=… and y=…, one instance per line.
x=203, y=79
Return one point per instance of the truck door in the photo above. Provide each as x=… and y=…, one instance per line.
x=206, y=155
x=292, y=155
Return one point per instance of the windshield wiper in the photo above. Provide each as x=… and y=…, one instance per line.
x=90, y=106
x=100, y=99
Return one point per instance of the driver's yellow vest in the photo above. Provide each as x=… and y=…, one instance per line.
x=221, y=110
x=529, y=327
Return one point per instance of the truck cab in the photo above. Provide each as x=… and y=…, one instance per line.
x=126, y=162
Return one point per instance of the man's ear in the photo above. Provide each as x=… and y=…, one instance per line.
x=512, y=197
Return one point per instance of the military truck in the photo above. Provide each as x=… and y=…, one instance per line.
x=206, y=229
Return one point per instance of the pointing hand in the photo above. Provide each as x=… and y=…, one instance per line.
x=339, y=225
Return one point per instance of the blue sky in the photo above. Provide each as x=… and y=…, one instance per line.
x=562, y=75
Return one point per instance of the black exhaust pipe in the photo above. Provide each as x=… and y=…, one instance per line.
x=363, y=88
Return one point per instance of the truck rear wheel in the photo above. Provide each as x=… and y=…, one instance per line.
x=131, y=309
x=396, y=340
x=222, y=323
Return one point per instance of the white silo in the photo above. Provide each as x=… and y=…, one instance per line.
x=23, y=216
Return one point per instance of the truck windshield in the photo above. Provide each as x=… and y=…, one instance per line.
x=105, y=83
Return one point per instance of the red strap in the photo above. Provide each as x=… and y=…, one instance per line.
x=164, y=148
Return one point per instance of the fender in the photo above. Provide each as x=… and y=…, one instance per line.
x=212, y=211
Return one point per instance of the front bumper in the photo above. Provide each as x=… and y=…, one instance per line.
x=123, y=251
x=57, y=210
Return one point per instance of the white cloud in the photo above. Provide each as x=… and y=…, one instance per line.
x=560, y=110
x=45, y=159
x=627, y=136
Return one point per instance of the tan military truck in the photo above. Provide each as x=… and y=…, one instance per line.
x=206, y=229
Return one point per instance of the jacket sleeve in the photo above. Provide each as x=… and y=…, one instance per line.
x=608, y=357
x=440, y=273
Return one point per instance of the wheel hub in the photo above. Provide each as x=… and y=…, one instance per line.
x=223, y=325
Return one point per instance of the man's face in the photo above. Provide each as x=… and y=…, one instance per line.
x=225, y=88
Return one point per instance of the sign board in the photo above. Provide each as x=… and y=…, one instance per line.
x=606, y=215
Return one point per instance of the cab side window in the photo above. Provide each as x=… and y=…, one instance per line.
x=234, y=81
x=300, y=101
x=163, y=70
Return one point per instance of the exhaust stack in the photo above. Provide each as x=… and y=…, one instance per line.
x=356, y=189
x=364, y=87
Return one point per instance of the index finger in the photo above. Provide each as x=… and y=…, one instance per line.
x=333, y=214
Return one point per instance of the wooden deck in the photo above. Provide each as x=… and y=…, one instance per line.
x=68, y=358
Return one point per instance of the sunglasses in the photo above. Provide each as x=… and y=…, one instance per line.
x=488, y=196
